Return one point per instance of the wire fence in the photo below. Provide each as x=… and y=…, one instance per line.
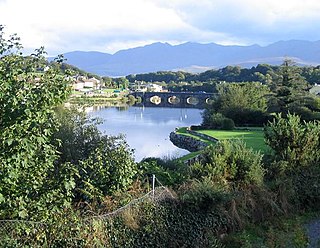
x=21, y=229
x=158, y=194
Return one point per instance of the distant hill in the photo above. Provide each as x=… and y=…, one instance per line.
x=193, y=57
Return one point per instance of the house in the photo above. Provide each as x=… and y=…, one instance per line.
x=92, y=83
x=78, y=85
x=153, y=87
x=82, y=82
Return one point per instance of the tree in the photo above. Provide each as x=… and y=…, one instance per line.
x=122, y=82
x=27, y=100
x=244, y=103
x=294, y=141
x=288, y=89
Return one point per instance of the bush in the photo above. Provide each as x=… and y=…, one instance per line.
x=231, y=162
x=293, y=141
x=101, y=164
x=227, y=124
x=218, y=121
x=195, y=127
x=204, y=194
x=168, y=171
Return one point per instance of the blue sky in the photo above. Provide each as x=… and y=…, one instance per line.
x=111, y=25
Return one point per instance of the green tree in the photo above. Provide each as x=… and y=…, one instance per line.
x=103, y=164
x=122, y=83
x=27, y=99
x=295, y=168
x=293, y=141
x=244, y=103
x=290, y=93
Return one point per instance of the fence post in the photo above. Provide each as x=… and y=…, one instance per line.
x=153, y=185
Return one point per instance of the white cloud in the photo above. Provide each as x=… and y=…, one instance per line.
x=47, y=22
x=109, y=25
x=247, y=19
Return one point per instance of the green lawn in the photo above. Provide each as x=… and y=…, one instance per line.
x=253, y=138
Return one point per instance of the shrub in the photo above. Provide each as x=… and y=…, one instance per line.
x=218, y=121
x=294, y=141
x=204, y=194
x=231, y=162
x=227, y=124
x=168, y=171
x=195, y=127
x=102, y=164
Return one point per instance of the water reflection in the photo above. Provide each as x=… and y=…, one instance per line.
x=147, y=129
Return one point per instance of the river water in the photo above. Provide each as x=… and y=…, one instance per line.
x=147, y=129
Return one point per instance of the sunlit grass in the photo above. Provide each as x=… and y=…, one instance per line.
x=189, y=156
x=252, y=138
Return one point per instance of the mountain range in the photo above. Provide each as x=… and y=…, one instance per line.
x=192, y=57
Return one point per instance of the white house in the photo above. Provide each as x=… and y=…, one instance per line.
x=154, y=87
x=78, y=85
x=92, y=83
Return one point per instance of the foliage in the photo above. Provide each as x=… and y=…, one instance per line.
x=290, y=93
x=217, y=121
x=243, y=103
x=279, y=232
x=231, y=162
x=294, y=141
x=262, y=72
x=169, y=172
x=204, y=194
x=103, y=164
x=295, y=169
x=27, y=99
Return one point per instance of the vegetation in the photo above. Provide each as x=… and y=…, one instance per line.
x=252, y=138
x=254, y=104
x=60, y=177
x=263, y=73
x=29, y=186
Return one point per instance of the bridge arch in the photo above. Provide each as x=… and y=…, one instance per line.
x=155, y=99
x=173, y=100
x=192, y=100
x=208, y=100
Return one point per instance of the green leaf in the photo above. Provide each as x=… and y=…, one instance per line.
x=23, y=213
x=2, y=199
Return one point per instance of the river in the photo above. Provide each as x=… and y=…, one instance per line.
x=147, y=129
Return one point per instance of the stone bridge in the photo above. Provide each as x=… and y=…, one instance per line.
x=175, y=99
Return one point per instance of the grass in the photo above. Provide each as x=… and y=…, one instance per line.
x=253, y=138
x=189, y=156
